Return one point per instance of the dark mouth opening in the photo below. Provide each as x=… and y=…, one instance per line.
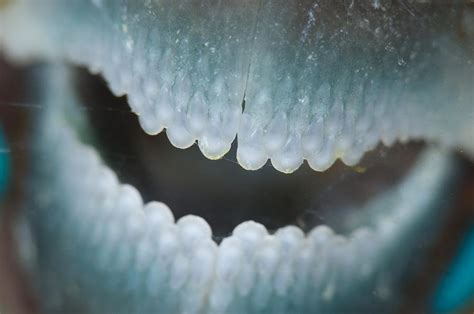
x=221, y=191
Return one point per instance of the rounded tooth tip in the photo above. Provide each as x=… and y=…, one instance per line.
x=193, y=229
x=290, y=236
x=150, y=124
x=213, y=147
x=351, y=158
x=159, y=213
x=268, y=256
x=168, y=244
x=107, y=179
x=250, y=233
x=179, y=137
x=321, y=234
x=179, y=272
x=321, y=162
x=287, y=162
x=229, y=258
x=251, y=157
x=129, y=198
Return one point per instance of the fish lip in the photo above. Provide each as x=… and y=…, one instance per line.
x=363, y=251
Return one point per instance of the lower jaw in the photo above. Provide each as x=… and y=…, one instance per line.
x=98, y=248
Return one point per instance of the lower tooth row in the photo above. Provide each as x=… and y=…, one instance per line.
x=109, y=245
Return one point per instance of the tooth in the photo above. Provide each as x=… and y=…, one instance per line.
x=364, y=246
x=144, y=254
x=158, y=214
x=290, y=158
x=322, y=160
x=179, y=272
x=251, y=154
x=203, y=264
x=197, y=115
x=177, y=133
x=192, y=230
x=129, y=200
x=229, y=260
x=276, y=134
x=221, y=297
x=291, y=239
x=267, y=257
x=168, y=244
x=149, y=123
x=251, y=234
x=320, y=240
x=164, y=106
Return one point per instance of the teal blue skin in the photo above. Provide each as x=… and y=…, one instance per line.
x=4, y=164
x=456, y=288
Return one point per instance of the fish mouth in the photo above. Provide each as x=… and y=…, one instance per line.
x=104, y=244
x=97, y=236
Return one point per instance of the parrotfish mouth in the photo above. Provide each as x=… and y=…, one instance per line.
x=294, y=84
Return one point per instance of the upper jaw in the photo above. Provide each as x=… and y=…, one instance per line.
x=316, y=83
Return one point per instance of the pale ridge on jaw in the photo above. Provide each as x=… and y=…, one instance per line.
x=103, y=250
x=316, y=91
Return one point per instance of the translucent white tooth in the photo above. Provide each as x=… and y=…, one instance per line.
x=247, y=276
x=231, y=122
x=134, y=225
x=302, y=266
x=320, y=240
x=290, y=158
x=342, y=265
x=197, y=115
x=352, y=156
x=164, y=107
x=149, y=123
x=213, y=145
x=229, y=259
x=151, y=90
x=179, y=272
x=129, y=199
x=268, y=255
x=192, y=230
x=321, y=161
x=221, y=297
x=251, y=156
x=284, y=277
x=125, y=80
x=203, y=263
x=365, y=245
x=168, y=245
x=312, y=140
x=177, y=133
x=107, y=181
x=276, y=134
x=251, y=234
x=291, y=237
x=137, y=101
x=144, y=254
x=158, y=214
x=320, y=234
x=251, y=153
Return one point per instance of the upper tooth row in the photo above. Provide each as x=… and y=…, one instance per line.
x=193, y=86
